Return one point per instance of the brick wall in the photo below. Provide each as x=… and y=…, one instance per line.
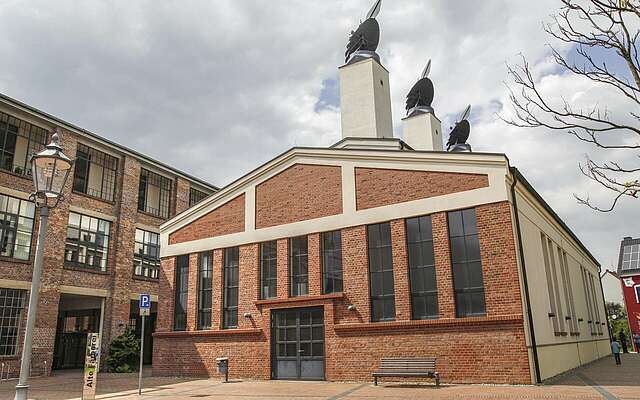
x=472, y=350
x=299, y=193
x=380, y=187
x=226, y=219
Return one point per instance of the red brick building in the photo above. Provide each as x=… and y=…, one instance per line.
x=322, y=261
x=629, y=273
x=102, y=246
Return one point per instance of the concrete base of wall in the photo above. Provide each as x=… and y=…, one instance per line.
x=556, y=359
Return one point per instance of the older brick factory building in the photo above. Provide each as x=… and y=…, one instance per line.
x=102, y=240
x=322, y=261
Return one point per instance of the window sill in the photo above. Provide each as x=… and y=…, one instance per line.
x=112, y=202
x=144, y=278
x=210, y=333
x=27, y=177
x=82, y=269
x=15, y=260
x=10, y=358
x=298, y=300
x=426, y=323
x=153, y=215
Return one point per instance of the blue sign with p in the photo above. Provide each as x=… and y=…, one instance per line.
x=145, y=301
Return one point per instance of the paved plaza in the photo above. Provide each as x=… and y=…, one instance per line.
x=599, y=380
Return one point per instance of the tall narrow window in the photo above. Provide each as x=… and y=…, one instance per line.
x=553, y=313
x=181, y=293
x=269, y=269
x=568, y=291
x=596, y=307
x=205, y=274
x=556, y=287
x=146, y=254
x=587, y=300
x=87, y=242
x=299, y=266
x=196, y=196
x=154, y=193
x=467, y=267
x=422, y=268
x=383, y=306
x=11, y=308
x=95, y=173
x=19, y=140
x=16, y=227
x=331, y=243
x=231, y=285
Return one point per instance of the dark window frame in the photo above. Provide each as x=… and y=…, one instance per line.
x=269, y=270
x=462, y=266
x=196, y=196
x=145, y=264
x=380, y=257
x=231, y=287
x=181, y=293
x=331, y=262
x=165, y=193
x=11, y=128
x=422, y=266
x=12, y=305
x=17, y=218
x=86, y=158
x=103, y=235
x=299, y=266
x=205, y=289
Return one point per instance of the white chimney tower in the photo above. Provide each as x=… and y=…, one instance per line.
x=423, y=131
x=365, y=100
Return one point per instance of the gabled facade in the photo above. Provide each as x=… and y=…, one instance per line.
x=322, y=261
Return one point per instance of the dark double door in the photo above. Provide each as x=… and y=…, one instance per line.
x=298, y=344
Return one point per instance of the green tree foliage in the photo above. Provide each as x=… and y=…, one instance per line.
x=620, y=323
x=124, y=353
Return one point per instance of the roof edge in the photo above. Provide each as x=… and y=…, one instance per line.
x=95, y=136
x=520, y=178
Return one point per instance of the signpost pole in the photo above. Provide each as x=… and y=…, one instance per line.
x=141, y=357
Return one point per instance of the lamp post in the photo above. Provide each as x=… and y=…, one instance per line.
x=50, y=169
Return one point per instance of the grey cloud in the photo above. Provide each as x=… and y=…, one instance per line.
x=218, y=87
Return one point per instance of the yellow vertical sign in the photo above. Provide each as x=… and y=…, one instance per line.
x=91, y=367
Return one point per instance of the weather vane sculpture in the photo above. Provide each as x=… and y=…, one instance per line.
x=421, y=94
x=363, y=42
x=460, y=133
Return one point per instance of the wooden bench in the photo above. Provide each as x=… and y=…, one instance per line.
x=407, y=367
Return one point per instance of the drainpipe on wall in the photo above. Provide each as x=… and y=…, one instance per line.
x=534, y=347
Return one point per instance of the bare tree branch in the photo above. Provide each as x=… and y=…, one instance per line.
x=589, y=25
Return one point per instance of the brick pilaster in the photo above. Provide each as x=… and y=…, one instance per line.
x=249, y=281
x=400, y=270
x=192, y=294
x=355, y=261
x=217, y=290
x=283, y=268
x=444, y=275
x=164, y=322
x=315, y=273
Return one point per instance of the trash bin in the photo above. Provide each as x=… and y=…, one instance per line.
x=223, y=367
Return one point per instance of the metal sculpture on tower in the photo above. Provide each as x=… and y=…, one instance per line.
x=363, y=42
x=421, y=94
x=460, y=133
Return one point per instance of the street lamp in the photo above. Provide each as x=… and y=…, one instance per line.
x=50, y=169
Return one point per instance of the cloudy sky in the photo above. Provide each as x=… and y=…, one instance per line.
x=216, y=88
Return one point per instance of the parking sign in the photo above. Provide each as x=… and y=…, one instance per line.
x=145, y=304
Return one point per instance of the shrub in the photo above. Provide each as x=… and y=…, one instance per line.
x=124, y=353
